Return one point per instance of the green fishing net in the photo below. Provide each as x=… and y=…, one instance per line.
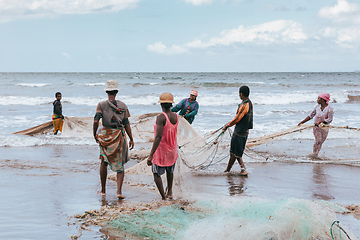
x=241, y=219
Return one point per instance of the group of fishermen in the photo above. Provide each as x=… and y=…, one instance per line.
x=164, y=152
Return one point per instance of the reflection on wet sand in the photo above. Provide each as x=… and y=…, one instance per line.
x=236, y=184
x=321, y=183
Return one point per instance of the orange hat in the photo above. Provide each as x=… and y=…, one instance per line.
x=166, y=97
x=194, y=92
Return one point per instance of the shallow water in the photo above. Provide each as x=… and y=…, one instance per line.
x=43, y=186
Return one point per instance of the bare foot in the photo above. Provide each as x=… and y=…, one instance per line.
x=101, y=193
x=244, y=172
x=227, y=170
x=169, y=194
x=314, y=156
x=120, y=196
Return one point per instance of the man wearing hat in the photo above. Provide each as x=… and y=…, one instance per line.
x=111, y=138
x=164, y=152
x=188, y=107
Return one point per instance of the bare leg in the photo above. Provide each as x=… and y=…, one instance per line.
x=243, y=168
x=169, y=177
x=241, y=162
x=103, y=175
x=230, y=163
x=159, y=185
x=119, y=181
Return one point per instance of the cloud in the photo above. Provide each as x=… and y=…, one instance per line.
x=343, y=37
x=66, y=55
x=343, y=12
x=275, y=32
x=345, y=17
x=20, y=9
x=161, y=48
x=199, y=2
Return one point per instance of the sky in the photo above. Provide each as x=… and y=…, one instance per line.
x=179, y=35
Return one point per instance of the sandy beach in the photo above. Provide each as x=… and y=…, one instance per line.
x=41, y=192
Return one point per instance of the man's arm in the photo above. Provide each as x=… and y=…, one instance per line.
x=95, y=127
x=129, y=133
x=178, y=106
x=330, y=116
x=304, y=121
x=243, y=110
x=97, y=117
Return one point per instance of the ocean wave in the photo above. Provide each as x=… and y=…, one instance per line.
x=32, y=84
x=24, y=100
x=95, y=84
x=43, y=140
x=172, y=78
x=209, y=99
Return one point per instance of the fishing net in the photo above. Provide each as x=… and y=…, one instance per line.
x=72, y=127
x=240, y=219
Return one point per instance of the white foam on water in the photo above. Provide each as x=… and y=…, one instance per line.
x=32, y=84
x=95, y=84
x=24, y=100
x=50, y=139
x=88, y=101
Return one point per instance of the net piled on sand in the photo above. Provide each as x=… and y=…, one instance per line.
x=245, y=218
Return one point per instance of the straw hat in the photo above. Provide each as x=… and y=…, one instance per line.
x=166, y=98
x=194, y=92
x=111, y=85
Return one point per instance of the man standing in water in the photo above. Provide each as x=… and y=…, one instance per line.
x=57, y=117
x=188, y=107
x=323, y=114
x=244, y=122
x=164, y=151
x=112, y=140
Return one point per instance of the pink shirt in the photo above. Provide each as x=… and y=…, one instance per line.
x=167, y=151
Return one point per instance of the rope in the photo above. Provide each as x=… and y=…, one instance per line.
x=340, y=229
x=266, y=158
x=215, y=140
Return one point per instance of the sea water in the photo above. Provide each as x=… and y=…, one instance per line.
x=281, y=100
x=53, y=177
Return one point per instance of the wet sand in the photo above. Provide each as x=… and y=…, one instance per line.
x=43, y=186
